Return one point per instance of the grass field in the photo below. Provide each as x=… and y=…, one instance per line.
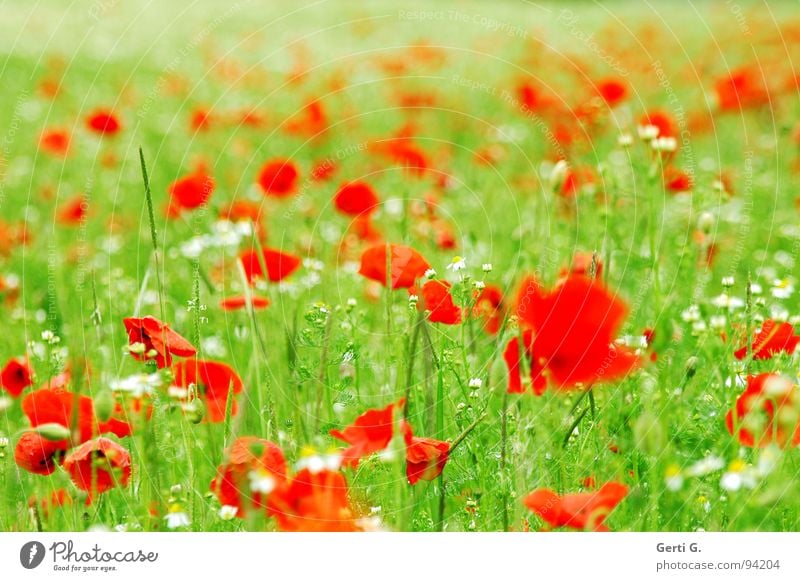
x=637, y=160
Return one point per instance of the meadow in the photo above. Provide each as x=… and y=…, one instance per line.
x=340, y=266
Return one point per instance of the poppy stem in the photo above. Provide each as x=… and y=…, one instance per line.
x=466, y=432
x=412, y=352
x=322, y=378
x=504, y=455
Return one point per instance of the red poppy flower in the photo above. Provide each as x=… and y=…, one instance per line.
x=57, y=406
x=370, y=432
x=613, y=91
x=16, y=376
x=160, y=342
x=55, y=142
x=435, y=298
x=667, y=127
x=767, y=411
x=773, y=338
x=279, y=264
x=584, y=511
x=568, y=335
x=239, y=302
x=37, y=454
x=73, y=211
x=677, y=180
x=742, y=88
x=103, y=122
x=425, y=458
x=407, y=265
x=98, y=465
x=248, y=454
x=313, y=502
x=214, y=379
x=279, y=178
x=356, y=198
x=192, y=191
x=311, y=120
x=489, y=307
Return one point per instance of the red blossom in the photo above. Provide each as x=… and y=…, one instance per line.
x=16, y=376
x=279, y=178
x=772, y=339
x=356, y=199
x=583, y=511
x=247, y=454
x=103, y=122
x=406, y=264
x=568, y=335
x=214, y=379
x=313, y=502
x=370, y=432
x=98, y=465
x=435, y=298
x=279, y=264
x=768, y=411
x=160, y=342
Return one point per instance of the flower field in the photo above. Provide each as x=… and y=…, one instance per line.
x=401, y=266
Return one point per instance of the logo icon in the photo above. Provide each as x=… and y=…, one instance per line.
x=31, y=554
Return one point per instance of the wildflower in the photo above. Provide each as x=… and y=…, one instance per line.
x=279, y=264
x=16, y=376
x=425, y=458
x=55, y=142
x=160, y=342
x=406, y=265
x=98, y=465
x=647, y=132
x=370, y=432
x=57, y=406
x=490, y=307
x=356, y=199
x=233, y=485
x=673, y=478
x=772, y=339
x=664, y=144
x=37, y=454
x=238, y=302
x=458, y=263
x=279, y=178
x=583, y=511
x=103, y=122
x=782, y=288
x=568, y=335
x=313, y=502
x=438, y=302
x=228, y=512
x=214, y=381
x=192, y=191
x=768, y=411
x=475, y=382
x=430, y=274
x=176, y=518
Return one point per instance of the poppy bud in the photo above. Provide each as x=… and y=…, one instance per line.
x=557, y=175
x=104, y=405
x=195, y=410
x=648, y=434
x=53, y=431
x=691, y=366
